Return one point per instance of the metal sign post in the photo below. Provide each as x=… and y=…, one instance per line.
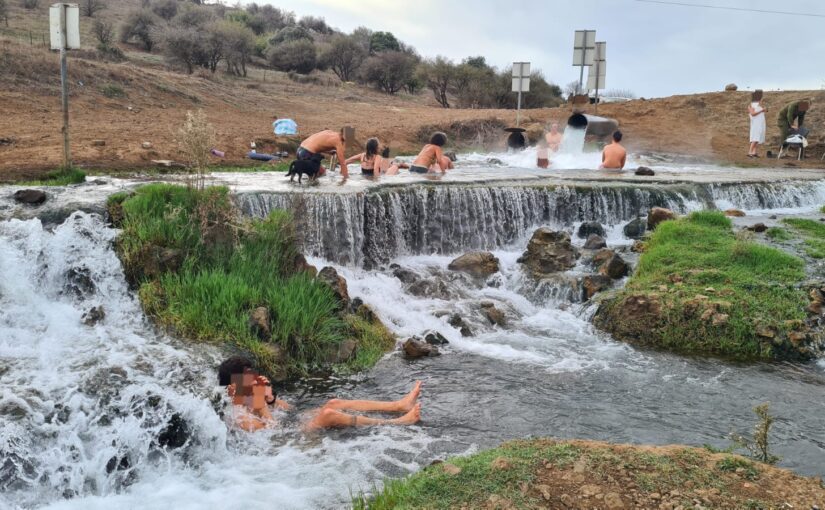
x=584, y=47
x=521, y=83
x=64, y=25
x=598, y=71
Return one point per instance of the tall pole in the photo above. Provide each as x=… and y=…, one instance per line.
x=64, y=84
x=598, y=69
x=518, y=107
x=581, y=76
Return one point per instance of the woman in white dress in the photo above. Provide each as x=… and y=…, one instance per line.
x=757, y=115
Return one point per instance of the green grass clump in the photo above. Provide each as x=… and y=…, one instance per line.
x=59, y=177
x=112, y=91
x=808, y=227
x=374, y=340
x=778, y=234
x=731, y=463
x=433, y=487
x=227, y=267
x=743, y=284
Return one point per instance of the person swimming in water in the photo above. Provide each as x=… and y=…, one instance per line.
x=252, y=395
x=431, y=154
x=368, y=158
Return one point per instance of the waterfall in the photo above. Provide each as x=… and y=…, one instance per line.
x=573, y=141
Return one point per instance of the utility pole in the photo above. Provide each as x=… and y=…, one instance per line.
x=64, y=25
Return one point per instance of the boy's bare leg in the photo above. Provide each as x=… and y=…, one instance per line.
x=330, y=418
x=398, y=406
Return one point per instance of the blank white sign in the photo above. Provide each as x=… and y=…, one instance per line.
x=584, y=46
x=72, y=26
x=521, y=84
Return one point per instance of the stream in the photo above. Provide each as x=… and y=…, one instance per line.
x=84, y=408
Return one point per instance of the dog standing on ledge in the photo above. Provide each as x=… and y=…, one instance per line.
x=311, y=167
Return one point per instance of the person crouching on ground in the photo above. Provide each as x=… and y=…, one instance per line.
x=326, y=141
x=431, y=154
x=252, y=394
x=614, y=155
x=790, y=114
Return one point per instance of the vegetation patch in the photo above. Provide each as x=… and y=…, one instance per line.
x=112, y=91
x=700, y=289
x=814, y=234
x=544, y=473
x=778, y=234
x=202, y=269
x=59, y=177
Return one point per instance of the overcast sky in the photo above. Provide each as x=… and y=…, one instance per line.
x=652, y=49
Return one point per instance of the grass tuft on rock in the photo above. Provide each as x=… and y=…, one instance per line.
x=698, y=288
x=201, y=269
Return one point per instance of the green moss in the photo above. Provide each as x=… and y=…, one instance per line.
x=740, y=284
x=778, y=234
x=227, y=266
x=59, y=177
x=808, y=227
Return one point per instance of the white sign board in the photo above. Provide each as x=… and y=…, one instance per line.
x=72, y=26
x=584, y=47
x=521, y=76
x=598, y=71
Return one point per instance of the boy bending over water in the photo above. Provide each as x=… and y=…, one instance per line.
x=431, y=154
x=252, y=395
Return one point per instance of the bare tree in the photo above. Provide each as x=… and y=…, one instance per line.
x=196, y=139
x=439, y=75
x=89, y=7
x=104, y=32
x=572, y=88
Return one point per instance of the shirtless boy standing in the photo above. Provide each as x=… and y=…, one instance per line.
x=614, y=155
x=325, y=141
x=553, y=138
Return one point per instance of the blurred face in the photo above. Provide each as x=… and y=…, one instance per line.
x=554, y=128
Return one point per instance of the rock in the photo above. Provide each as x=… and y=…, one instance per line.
x=93, y=316
x=638, y=247
x=615, y=267
x=435, y=338
x=260, y=323
x=79, y=282
x=731, y=87
x=337, y=283
x=416, y=348
x=580, y=466
x=175, y=434
x=494, y=315
x=758, y=228
x=479, y=264
x=590, y=227
x=772, y=217
x=367, y=313
x=593, y=283
x=494, y=161
x=658, y=215
x=345, y=351
x=405, y=275
x=500, y=464
x=430, y=288
x=735, y=213
x=457, y=321
x=158, y=260
x=595, y=242
x=635, y=229
x=613, y=501
x=301, y=265
x=98, y=143
x=548, y=252
x=765, y=332
x=450, y=469
x=146, y=145
x=30, y=196
x=643, y=170
x=602, y=256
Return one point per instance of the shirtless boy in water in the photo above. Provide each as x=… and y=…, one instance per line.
x=252, y=395
x=614, y=155
x=431, y=154
x=553, y=138
x=325, y=141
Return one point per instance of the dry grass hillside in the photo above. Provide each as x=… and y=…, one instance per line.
x=141, y=100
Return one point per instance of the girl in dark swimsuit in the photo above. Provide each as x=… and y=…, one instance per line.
x=367, y=158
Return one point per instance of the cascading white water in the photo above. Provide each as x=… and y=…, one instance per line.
x=572, y=143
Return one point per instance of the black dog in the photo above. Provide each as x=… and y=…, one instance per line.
x=311, y=167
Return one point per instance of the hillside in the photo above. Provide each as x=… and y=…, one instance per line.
x=141, y=100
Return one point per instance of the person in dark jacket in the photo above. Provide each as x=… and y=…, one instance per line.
x=794, y=112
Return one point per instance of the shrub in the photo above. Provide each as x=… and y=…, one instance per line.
x=104, y=32
x=111, y=90
x=315, y=24
x=166, y=9
x=288, y=34
x=139, y=26
x=389, y=71
x=90, y=7
x=383, y=41
x=239, y=46
x=298, y=56
x=344, y=56
x=29, y=4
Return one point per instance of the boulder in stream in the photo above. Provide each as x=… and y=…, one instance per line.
x=635, y=229
x=496, y=316
x=479, y=264
x=458, y=322
x=30, y=196
x=548, y=252
x=735, y=213
x=758, y=228
x=93, y=316
x=589, y=228
x=615, y=267
x=595, y=242
x=175, y=434
x=415, y=348
x=593, y=283
x=643, y=170
x=658, y=215
x=79, y=282
x=435, y=338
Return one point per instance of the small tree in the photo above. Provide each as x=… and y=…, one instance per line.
x=4, y=11
x=139, y=26
x=196, y=139
x=90, y=7
x=239, y=46
x=316, y=24
x=383, y=41
x=182, y=46
x=439, y=75
x=290, y=34
x=344, y=56
x=299, y=56
x=104, y=32
x=389, y=71
x=571, y=88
